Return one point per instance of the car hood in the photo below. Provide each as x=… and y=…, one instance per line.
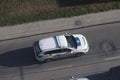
x=80, y=41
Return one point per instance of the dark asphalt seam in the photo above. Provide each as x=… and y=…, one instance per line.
x=59, y=31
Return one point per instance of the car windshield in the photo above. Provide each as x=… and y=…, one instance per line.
x=71, y=41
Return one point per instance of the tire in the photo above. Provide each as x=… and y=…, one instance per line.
x=48, y=60
x=78, y=54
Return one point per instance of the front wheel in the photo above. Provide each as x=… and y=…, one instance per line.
x=79, y=54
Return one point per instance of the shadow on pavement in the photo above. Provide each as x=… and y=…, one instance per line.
x=112, y=74
x=100, y=76
x=18, y=58
x=66, y=3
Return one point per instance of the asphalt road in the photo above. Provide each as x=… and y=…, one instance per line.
x=17, y=61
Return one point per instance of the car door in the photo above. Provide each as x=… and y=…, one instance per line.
x=67, y=52
x=62, y=53
x=56, y=54
x=59, y=53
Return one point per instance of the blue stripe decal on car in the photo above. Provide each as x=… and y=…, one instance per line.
x=57, y=45
x=78, y=41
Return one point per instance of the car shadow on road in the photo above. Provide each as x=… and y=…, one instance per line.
x=18, y=58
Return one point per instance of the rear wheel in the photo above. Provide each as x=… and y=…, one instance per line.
x=48, y=60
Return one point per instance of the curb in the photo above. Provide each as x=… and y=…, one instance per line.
x=57, y=25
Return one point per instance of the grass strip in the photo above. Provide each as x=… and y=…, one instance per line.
x=23, y=11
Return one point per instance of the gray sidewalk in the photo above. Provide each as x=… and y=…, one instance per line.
x=39, y=27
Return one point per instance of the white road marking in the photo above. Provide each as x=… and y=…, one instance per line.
x=112, y=58
x=60, y=67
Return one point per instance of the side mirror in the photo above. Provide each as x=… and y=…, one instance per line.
x=67, y=34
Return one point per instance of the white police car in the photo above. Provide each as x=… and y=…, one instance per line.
x=60, y=46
